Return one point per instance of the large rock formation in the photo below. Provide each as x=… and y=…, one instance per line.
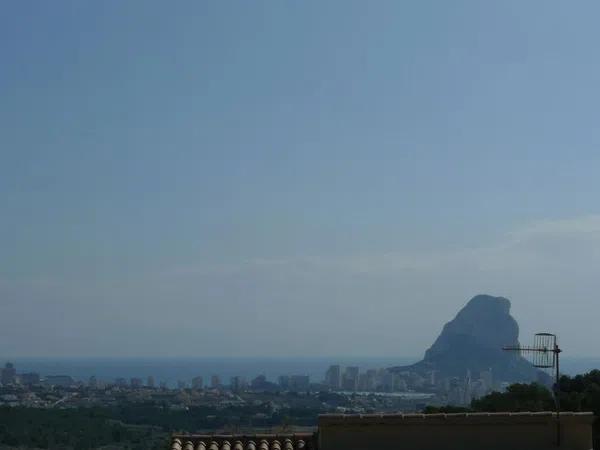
x=473, y=341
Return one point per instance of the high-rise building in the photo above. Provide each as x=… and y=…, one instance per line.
x=371, y=380
x=333, y=377
x=30, y=379
x=431, y=378
x=136, y=382
x=416, y=381
x=400, y=384
x=284, y=382
x=150, y=382
x=215, y=381
x=259, y=383
x=478, y=389
x=9, y=374
x=456, y=393
x=362, y=382
x=238, y=383
x=487, y=379
x=299, y=383
x=181, y=384
x=387, y=381
x=350, y=379
x=93, y=382
x=99, y=384
x=197, y=382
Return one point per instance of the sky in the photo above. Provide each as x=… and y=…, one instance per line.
x=294, y=178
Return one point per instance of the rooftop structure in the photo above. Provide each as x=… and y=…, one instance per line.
x=468, y=431
x=244, y=442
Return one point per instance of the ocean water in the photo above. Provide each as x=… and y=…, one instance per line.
x=170, y=370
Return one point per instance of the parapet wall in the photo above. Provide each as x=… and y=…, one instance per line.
x=476, y=431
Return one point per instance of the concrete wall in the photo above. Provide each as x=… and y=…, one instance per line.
x=480, y=431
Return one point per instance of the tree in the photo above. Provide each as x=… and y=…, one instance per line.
x=518, y=397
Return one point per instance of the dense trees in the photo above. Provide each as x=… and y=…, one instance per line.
x=132, y=425
x=82, y=428
x=579, y=393
x=518, y=397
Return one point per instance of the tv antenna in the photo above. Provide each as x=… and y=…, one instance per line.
x=544, y=354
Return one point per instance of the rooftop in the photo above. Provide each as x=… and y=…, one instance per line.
x=343, y=431
x=243, y=441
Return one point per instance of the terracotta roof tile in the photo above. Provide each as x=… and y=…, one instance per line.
x=300, y=441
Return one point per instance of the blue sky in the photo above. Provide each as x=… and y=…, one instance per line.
x=299, y=178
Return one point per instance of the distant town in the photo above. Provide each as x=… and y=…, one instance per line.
x=373, y=389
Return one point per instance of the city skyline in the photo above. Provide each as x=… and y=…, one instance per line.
x=338, y=379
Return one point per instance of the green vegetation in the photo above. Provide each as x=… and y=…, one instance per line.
x=82, y=428
x=448, y=409
x=579, y=393
x=518, y=397
x=132, y=426
x=198, y=418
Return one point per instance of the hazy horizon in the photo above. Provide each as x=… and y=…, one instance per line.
x=172, y=369
x=294, y=178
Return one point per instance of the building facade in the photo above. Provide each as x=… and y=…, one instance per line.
x=8, y=375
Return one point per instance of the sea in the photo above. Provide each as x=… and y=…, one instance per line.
x=172, y=370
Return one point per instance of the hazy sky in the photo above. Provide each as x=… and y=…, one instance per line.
x=294, y=178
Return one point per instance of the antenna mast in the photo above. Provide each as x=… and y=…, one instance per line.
x=545, y=355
